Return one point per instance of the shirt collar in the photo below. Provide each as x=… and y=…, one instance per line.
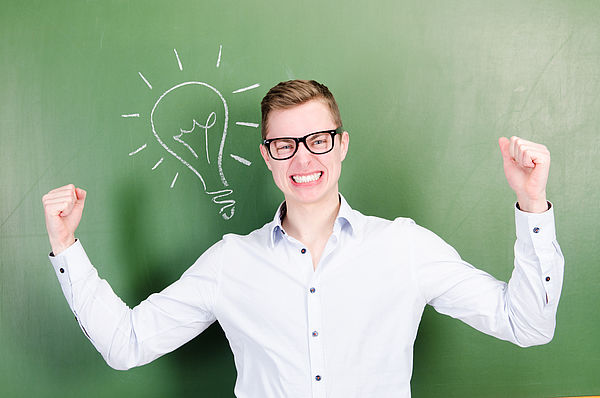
x=276, y=229
x=347, y=219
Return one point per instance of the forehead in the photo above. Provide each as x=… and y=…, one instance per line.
x=300, y=120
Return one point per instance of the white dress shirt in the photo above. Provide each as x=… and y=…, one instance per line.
x=343, y=330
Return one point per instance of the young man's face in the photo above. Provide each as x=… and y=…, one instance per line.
x=306, y=178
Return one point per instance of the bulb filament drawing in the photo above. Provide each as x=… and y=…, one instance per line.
x=219, y=196
x=179, y=141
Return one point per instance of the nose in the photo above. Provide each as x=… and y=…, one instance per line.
x=303, y=154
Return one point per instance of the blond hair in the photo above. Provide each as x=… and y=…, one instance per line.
x=291, y=93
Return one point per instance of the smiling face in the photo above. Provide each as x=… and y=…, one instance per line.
x=306, y=178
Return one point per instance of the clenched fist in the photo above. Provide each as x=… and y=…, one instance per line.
x=526, y=166
x=63, y=208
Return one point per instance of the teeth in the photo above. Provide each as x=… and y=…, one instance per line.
x=308, y=178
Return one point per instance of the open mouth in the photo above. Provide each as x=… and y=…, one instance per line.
x=307, y=178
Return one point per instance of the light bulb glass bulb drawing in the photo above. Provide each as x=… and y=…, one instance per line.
x=186, y=150
x=190, y=121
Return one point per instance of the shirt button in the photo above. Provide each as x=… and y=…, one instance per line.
x=318, y=378
x=536, y=230
x=547, y=279
x=312, y=290
x=303, y=251
x=62, y=270
x=315, y=333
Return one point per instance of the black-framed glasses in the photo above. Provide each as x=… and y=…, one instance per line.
x=319, y=142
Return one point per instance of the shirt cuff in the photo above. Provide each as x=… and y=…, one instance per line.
x=72, y=264
x=535, y=227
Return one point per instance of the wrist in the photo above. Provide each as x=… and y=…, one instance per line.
x=533, y=206
x=62, y=245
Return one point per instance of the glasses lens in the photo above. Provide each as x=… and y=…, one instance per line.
x=282, y=148
x=319, y=142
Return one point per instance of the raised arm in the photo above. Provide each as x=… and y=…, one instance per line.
x=523, y=310
x=126, y=337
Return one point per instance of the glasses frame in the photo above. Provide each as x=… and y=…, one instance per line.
x=299, y=140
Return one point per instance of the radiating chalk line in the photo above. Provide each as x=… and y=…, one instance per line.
x=157, y=163
x=174, y=179
x=241, y=159
x=221, y=197
x=178, y=60
x=137, y=150
x=145, y=81
x=219, y=58
x=247, y=124
x=246, y=88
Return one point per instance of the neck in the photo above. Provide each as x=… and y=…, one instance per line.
x=310, y=222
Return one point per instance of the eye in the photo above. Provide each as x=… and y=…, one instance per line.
x=319, y=140
x=284, y=145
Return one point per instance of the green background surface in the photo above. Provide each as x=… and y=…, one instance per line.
x=425, y=89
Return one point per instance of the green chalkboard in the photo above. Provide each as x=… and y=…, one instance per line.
x=87, y=88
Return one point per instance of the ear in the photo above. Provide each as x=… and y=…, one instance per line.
x=265, y=155
x=344, y=144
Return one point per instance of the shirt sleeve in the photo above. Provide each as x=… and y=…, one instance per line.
x=523, y=310
x=164, y=321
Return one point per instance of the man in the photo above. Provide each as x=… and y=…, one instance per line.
x=322, y=301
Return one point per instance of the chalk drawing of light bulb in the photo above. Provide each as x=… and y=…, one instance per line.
x=190, y=121
x=163, y=132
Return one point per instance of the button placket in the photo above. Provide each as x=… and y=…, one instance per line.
x=315, y=346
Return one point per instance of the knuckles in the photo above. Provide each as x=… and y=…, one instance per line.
x=520, y=148
x=67, y=193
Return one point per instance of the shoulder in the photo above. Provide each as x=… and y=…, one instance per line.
x=403, y=231
x=373, y=225
x=259, y=238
